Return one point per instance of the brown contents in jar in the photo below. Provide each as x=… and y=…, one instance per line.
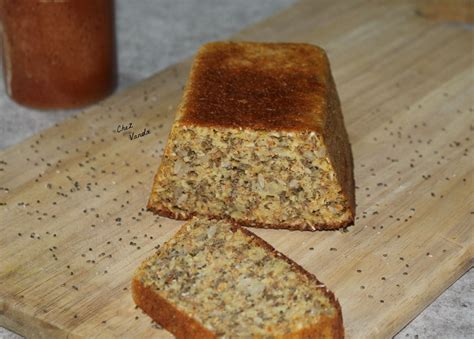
x=58, y=54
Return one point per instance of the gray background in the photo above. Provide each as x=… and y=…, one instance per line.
x=153, y=34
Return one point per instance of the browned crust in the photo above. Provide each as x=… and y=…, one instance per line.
x=336, y=139
x=166, y=314
x=260, y=86
x=183, y=326
x=165, y=212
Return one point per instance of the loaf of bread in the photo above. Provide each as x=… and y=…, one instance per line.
x=259, y=138
x=216, y=279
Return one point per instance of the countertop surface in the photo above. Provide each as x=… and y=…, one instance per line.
x=153, y=34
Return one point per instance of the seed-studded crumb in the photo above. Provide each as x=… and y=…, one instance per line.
x=232, y=283
x=262, y=178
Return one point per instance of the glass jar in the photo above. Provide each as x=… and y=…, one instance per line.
x=58, y=53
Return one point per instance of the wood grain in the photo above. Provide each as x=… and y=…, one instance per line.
x=72, y=219
x=447, y=10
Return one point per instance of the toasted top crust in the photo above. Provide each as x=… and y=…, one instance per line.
x=261, y=86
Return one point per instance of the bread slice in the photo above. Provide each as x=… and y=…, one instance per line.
x=216, y=279
x=259, y=138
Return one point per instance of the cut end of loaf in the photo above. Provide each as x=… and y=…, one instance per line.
x=262, y=179
x=218, y=279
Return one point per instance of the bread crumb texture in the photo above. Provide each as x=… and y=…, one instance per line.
x=222, y=276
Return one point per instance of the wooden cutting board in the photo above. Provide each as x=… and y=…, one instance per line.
x=72, y=218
